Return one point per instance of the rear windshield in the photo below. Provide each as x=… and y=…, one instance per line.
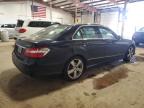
x=39, y=24
x=19, y=23
x=50, y=32
x=8, y=26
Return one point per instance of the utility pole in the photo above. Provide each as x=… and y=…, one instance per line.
x=124, y=17
x=81, y=16
x=51, y=10
x=76, y=15
x=32, y=8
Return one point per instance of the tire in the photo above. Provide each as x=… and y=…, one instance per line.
x=74, y=68
x=129, y=54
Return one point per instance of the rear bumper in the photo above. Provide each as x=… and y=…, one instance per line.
x=31, y=68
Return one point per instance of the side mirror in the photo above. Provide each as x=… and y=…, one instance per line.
x=119, y=37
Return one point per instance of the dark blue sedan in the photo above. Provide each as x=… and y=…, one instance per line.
x=69, y=50
x=138, y=36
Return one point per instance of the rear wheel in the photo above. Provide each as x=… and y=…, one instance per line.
x=74, y=68
x=129, y=54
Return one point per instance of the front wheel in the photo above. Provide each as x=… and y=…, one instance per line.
x=129, y=54
x=74, y=68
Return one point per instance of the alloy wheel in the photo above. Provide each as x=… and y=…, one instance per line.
x=130, y=52
x=75, y=69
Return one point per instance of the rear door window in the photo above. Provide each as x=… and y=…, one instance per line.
x=39, y=24
x=89, y=32
x=19, y=23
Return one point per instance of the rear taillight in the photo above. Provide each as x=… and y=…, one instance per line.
x=36, y=52
x=22, y=30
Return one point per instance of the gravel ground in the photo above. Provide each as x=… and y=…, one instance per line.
x=116, y=85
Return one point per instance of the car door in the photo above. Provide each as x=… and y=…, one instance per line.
x=93, y=44
x=114, y=47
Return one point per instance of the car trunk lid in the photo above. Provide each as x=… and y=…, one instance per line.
x=23, y=44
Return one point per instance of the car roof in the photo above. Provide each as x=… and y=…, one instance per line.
x=34, y=20
x=80, y=25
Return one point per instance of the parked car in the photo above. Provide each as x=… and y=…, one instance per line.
x=10, y=28
x=138, y=36
x=69, y=50
x=28, y=27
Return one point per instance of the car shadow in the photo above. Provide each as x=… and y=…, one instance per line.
x=20, y=87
